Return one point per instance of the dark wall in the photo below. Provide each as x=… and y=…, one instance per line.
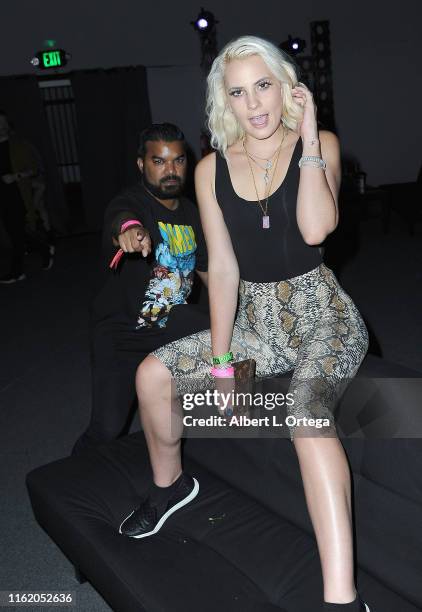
x=376, y=52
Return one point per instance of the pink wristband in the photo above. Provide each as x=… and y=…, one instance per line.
x=115, y=261
x=223, y=373
x=130, y=223
x=126, y=225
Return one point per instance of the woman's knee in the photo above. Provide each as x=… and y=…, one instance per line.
x=152, y=375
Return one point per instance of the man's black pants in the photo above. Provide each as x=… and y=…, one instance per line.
x=116, y=352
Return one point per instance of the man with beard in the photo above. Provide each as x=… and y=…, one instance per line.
x=153, y=241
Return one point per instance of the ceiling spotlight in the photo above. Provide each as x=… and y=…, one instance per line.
x=293, y=46
x=204, y=22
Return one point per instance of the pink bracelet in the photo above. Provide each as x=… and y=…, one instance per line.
x=130, y=223
x=223, y=372
x=126, y=225
x=115, y=261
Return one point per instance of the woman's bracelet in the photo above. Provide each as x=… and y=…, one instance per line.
x=223, y=372
x=220, y=359
x=311, y=160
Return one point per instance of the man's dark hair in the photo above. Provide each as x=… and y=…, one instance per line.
x=3, y=113
x=168, y=132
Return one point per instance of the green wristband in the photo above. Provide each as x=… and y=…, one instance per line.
x=220, y=359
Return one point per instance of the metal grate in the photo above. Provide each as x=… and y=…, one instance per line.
x=321, y=52
x=59, y=105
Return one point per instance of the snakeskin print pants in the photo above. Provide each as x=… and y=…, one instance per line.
x=307, y=324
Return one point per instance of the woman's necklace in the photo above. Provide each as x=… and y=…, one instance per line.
x=265, y=216
x=267, y=167
x=268, y=164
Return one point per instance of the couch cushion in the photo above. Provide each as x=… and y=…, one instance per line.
x=389, y=538
x=223, y=551
x=195, y=563
x=377, y=367
x=268, y=471
x=260, y=468
x=396, y=465
x=388, y=501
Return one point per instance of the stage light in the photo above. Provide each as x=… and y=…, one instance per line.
x=204, y=22
x=293, y=46
x=205, y=25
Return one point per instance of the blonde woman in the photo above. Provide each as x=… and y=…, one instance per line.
x=267, y=198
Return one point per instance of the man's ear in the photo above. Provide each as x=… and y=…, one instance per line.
x=140, y=164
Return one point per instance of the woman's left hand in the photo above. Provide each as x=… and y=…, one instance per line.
x=308, y=127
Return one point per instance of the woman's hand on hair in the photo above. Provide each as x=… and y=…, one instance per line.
x=308, y=127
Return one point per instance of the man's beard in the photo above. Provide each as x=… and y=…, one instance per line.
x=162, y=191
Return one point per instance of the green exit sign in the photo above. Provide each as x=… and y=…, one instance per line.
x=50, y=59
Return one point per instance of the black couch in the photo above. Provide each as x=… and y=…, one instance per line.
x=246, y=543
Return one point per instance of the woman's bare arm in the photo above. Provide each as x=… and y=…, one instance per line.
x=223, y=270
x=317, y=200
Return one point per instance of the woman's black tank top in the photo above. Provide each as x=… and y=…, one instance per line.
x=276, y=253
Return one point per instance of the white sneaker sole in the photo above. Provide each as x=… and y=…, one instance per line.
x=165, y=516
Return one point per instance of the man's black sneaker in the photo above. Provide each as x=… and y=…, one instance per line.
x=11, y=278
x=145, y=521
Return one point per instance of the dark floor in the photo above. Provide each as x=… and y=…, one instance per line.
x=45, y=385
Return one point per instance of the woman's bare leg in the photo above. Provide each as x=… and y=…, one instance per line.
x=326, y=480
x=161, y=420
x=324, y=468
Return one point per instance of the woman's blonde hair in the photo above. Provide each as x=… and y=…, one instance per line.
x=222, y=124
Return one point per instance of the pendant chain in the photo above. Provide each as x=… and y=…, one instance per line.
x=268, y=167
x=266, y=224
